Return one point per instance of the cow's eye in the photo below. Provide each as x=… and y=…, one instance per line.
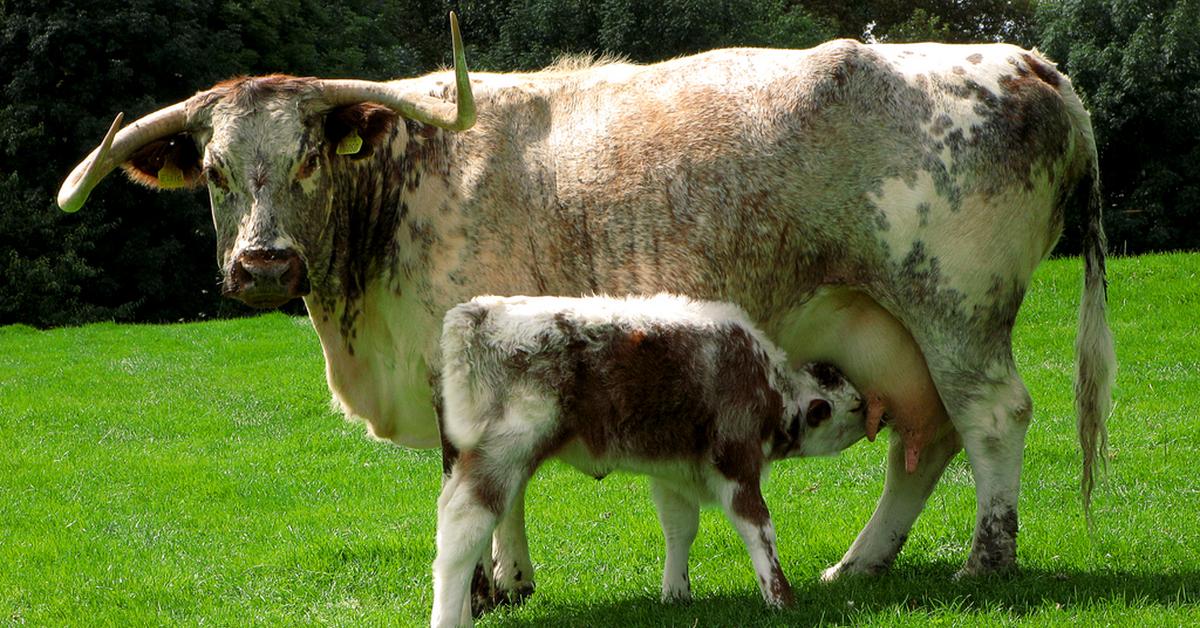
x=310, y=165
x=214, y=176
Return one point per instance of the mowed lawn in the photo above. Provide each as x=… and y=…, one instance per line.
x=195, y=474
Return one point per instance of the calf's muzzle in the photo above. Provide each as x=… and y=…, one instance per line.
x=266, y=278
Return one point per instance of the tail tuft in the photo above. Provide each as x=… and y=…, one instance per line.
x=1096, y=362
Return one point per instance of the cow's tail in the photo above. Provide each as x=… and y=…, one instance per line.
x=1095, y=360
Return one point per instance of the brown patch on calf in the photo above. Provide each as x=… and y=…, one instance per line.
x=975, y=58
x=487, y=490
x=743, y=385
x=178, y=150
x=748, y=503
x=828, y=376
x=780, y=588
x=633, y=392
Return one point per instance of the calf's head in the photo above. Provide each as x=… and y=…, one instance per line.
x=831, y=409
x=274, y=152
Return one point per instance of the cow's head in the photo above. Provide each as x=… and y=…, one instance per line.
x=266, y=148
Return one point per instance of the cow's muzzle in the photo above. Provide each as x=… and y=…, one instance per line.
x=266, y=278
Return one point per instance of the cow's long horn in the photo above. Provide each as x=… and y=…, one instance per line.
x=428, y=110
x=116, y=149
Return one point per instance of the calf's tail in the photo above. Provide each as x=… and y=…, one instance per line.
x=462, y=356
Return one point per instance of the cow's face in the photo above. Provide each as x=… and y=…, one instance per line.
x=265, y=171
x=271, y=155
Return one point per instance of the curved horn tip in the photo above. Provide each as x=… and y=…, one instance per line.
x=466, y=101
x=66, y=205
x=70, y=199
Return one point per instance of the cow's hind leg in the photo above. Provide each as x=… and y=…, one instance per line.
x=680, y=519
x=992, y=416
x=904, y=496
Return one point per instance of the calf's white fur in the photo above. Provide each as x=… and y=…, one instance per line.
x=688, y=392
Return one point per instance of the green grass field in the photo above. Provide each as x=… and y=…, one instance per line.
x=195, y=474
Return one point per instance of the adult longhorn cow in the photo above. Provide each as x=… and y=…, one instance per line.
x=925, y=182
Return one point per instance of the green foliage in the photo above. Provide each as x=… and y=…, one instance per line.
x=194, y=474
x=930, y=20
x=529, y=34
x=1137, y=65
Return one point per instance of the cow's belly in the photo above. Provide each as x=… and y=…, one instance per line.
x=876, y=352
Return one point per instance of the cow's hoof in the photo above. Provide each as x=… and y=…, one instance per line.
x=835, y=572
x=851, y=568
x=979, y=569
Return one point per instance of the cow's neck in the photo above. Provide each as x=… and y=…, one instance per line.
x=381, y=232
x=374, y=311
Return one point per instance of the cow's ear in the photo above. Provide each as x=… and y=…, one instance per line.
x=169, y=163
x=355, y=130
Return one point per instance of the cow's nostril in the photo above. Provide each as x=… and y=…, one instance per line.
x=239, y=277
x=267, y=278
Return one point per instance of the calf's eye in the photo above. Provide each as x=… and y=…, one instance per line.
x=818, y=412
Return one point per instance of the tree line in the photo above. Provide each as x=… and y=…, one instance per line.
x=134, y=255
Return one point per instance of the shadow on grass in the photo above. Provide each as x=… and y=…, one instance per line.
x=914, y=592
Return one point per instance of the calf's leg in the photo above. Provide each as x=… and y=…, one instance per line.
x=483, y=590
x=746, y=509
x=513, y=569
x=469, y=507
x=680, y=519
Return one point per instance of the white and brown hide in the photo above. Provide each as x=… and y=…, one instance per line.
x=685, y=391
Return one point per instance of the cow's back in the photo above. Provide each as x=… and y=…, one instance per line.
x=756, y=175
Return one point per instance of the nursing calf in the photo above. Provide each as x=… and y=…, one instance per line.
x=688, y=392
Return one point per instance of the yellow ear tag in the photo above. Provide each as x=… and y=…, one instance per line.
x=170, y=176
x=351, y=144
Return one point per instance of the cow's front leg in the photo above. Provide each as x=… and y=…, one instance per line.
x=993, y=426
x=904, y=496
x=746, y=509
x=513, y=568
x=680, y=519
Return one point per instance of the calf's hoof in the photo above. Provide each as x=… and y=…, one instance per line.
x=483, y=595
x=512, y=596
x=677, y=596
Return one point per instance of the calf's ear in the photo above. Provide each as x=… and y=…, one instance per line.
x=818, y=412
x=168, y=163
